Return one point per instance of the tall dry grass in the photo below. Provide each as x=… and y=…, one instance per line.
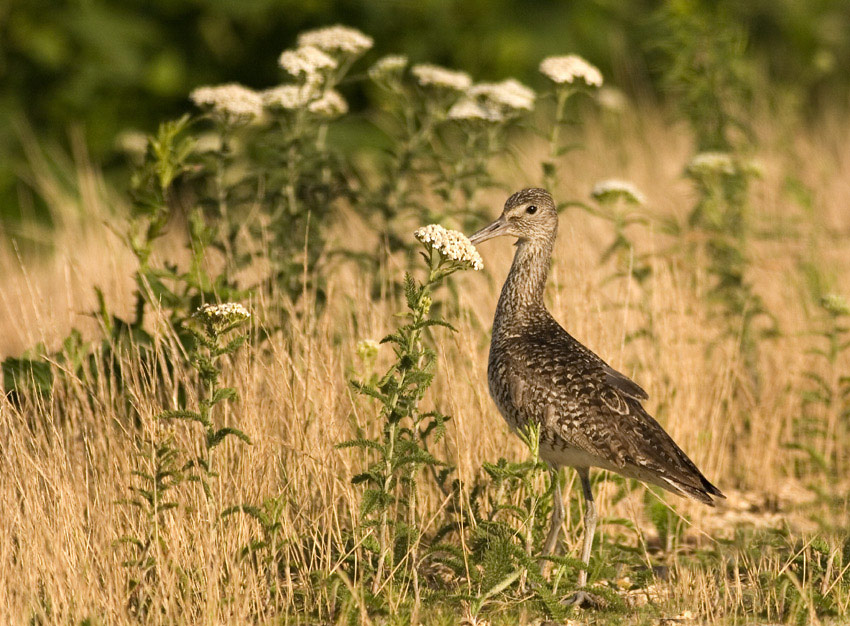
x=66, y=461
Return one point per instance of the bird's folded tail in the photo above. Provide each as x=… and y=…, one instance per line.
x=705, y=492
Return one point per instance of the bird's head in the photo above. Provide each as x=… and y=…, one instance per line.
x=529, y=215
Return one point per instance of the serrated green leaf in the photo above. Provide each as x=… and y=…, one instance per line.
x=224, y=393
x=218, y=436
x=361, y=443
x=182, y=415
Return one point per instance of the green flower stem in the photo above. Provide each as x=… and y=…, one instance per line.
x=222, y=157
x=410, y=145
x=412, y=344
x=550, y=168
x=293, y=170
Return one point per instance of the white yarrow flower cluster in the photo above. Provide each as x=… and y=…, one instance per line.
x=467, y=109
x=566, y=69
x=436, y=76
x=493, y=102
x=388, y=67
x=612, y=99
x=509, y=94
x=835, y=304
x=306, y=60
x=231, y=102
x=712, y=163
x=367, y=349
x=331, y=104
x=206, y=143
x=451, y=244
x=220, y=317
x=290, y=97
x=337, y=39
x=613, y=189
x=132, y=142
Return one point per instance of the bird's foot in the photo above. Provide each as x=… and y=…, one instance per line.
x=583, y=600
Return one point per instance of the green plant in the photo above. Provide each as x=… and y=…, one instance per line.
x=713, y=80
x=158, y=472
x=390, y=516
x=825, y=401
x=165, y=465
x=570, y=75
x=217, y=321
x=444, y=132
x=506, y=541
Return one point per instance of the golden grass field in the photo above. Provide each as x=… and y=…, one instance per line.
x=66, y=461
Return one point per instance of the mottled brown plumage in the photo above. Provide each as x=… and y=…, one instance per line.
x=590, y=414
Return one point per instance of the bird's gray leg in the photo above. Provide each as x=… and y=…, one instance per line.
x=582, y=598
x=557, y=514
x=589, y=522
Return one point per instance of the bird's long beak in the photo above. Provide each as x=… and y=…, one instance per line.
x=488, y=232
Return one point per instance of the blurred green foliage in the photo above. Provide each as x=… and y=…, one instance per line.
x=108, y=65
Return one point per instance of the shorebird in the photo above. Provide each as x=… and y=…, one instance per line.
x=589, y=414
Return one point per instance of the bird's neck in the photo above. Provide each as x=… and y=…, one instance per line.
x=524, y=286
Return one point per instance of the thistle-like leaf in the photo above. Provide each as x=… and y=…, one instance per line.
x=361, y=443
x=218, y=436
x=374, y=499
x=224, y=393
x=433, y=322
x=183, y=415
x=411, y=292
x=233, y=345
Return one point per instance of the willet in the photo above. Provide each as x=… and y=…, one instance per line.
x=589, y=414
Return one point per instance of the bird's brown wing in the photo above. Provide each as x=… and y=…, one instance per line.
x=623, y=383
x=598, y=410
x=648, y=448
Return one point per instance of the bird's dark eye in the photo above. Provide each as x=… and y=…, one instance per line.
x=531, y=210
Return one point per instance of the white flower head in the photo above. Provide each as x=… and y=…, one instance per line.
x=388, y=67
x=132, y=142
x=835, y=304
x=436, y=76
x=509, y=94
x=331, y=104
x=337, y=39
x=367, y=349
x=566, y=69
x=231, y=102
x=712, y=164
x=467, y=109
x=307, y=60
x=290, y=97
x=206, y=143
x=612, y=99
x=612, y=190
x=218, y=318
x=450, y=244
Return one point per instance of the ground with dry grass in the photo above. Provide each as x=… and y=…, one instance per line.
x=769, y=553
